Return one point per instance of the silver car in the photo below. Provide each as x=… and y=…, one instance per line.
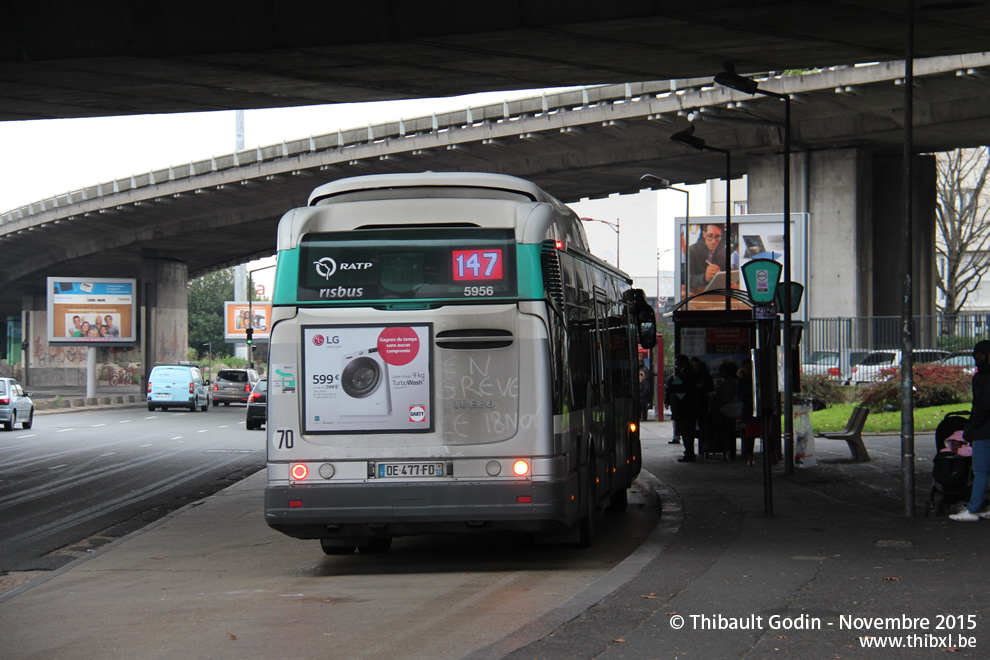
x=16, y=406
x=837, y=364
x=233, y=386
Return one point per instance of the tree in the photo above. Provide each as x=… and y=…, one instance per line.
x=206, y=296
x=963, y=226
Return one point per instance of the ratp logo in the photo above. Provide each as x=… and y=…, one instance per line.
x=325, y=267
x=318, y=340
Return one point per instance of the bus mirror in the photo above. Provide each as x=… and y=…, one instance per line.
x=647, y=335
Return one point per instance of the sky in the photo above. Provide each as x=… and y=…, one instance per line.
x=51, y=157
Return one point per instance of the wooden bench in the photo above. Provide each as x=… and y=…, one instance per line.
x=853, y=434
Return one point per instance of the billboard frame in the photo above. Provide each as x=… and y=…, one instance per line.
x=92, y=297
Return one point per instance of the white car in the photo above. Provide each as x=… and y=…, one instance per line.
x=869, y=370
x=964, y=360
x=16, y=406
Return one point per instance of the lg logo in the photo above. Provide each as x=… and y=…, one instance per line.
x=318, y=340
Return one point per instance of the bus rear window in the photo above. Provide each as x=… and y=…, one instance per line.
x=397, y=264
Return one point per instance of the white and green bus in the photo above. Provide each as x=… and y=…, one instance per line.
x=447, y=356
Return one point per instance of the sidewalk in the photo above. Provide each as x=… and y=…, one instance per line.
x=838, y=545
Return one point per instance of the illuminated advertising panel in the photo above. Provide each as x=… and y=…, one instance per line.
x=755, y=236
x=94, y=311
x=239, y=316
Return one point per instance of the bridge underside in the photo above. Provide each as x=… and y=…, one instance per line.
x=183, y=56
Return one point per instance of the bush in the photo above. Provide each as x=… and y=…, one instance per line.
x=824, y=390
x=934, y=385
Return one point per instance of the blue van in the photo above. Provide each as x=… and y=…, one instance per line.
x=178, y=386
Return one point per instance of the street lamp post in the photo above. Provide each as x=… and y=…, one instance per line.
x=209, y=368
x=734, y=81
x=664, y=184
x=688, y=139
x=615, y=228
x=250, y=311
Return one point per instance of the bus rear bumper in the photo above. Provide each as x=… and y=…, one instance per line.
x=405, y=509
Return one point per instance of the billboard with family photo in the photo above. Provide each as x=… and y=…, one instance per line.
x=94, y=311
x=239, y=316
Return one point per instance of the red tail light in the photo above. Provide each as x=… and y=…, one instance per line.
x=149, y=387
x=4, y=402
x=247, y=388
x=255, y=396
x=216, y=388
x=192, y=387
x=834, y=371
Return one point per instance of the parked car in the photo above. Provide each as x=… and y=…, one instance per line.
x=257, y=406
x=178, y=386
x=962, y=359
x=233, y=386
x=837, y=364
x=869, y=369
x=16, y=406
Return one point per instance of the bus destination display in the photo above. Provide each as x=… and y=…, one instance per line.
x=441, y=264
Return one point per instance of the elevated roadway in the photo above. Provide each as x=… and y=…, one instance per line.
x=589, y=142
x=184, y=56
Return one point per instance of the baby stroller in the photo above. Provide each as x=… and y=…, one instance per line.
x=952, y=476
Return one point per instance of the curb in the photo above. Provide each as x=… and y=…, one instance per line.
x=76, y=404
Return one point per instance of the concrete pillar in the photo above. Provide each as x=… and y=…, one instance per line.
x=855, y=233
x=834, y=187
x=165, y=316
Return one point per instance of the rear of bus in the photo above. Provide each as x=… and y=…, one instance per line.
x=409, y=382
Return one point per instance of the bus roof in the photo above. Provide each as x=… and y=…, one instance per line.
x=494, y=182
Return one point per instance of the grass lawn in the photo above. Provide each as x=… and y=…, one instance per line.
x=925, y=419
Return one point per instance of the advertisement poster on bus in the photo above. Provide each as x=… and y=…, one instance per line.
x=95, y=311
x=367, y=378
x=752, y=236
x=239, y=316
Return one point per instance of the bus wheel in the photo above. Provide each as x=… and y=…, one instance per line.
x=619, y=501
x=587, y=525
x=334, y=547
x=375, y=545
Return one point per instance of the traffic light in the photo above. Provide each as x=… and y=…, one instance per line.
x=250, y=334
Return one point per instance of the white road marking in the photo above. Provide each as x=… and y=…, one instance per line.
x=55, y=467
x=109, y=453
x=64, y=430
x=147, y=445
x=97, y=425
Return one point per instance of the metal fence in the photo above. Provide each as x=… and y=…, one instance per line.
x=873, y=333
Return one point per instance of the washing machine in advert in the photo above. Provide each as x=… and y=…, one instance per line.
x=365, y=384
